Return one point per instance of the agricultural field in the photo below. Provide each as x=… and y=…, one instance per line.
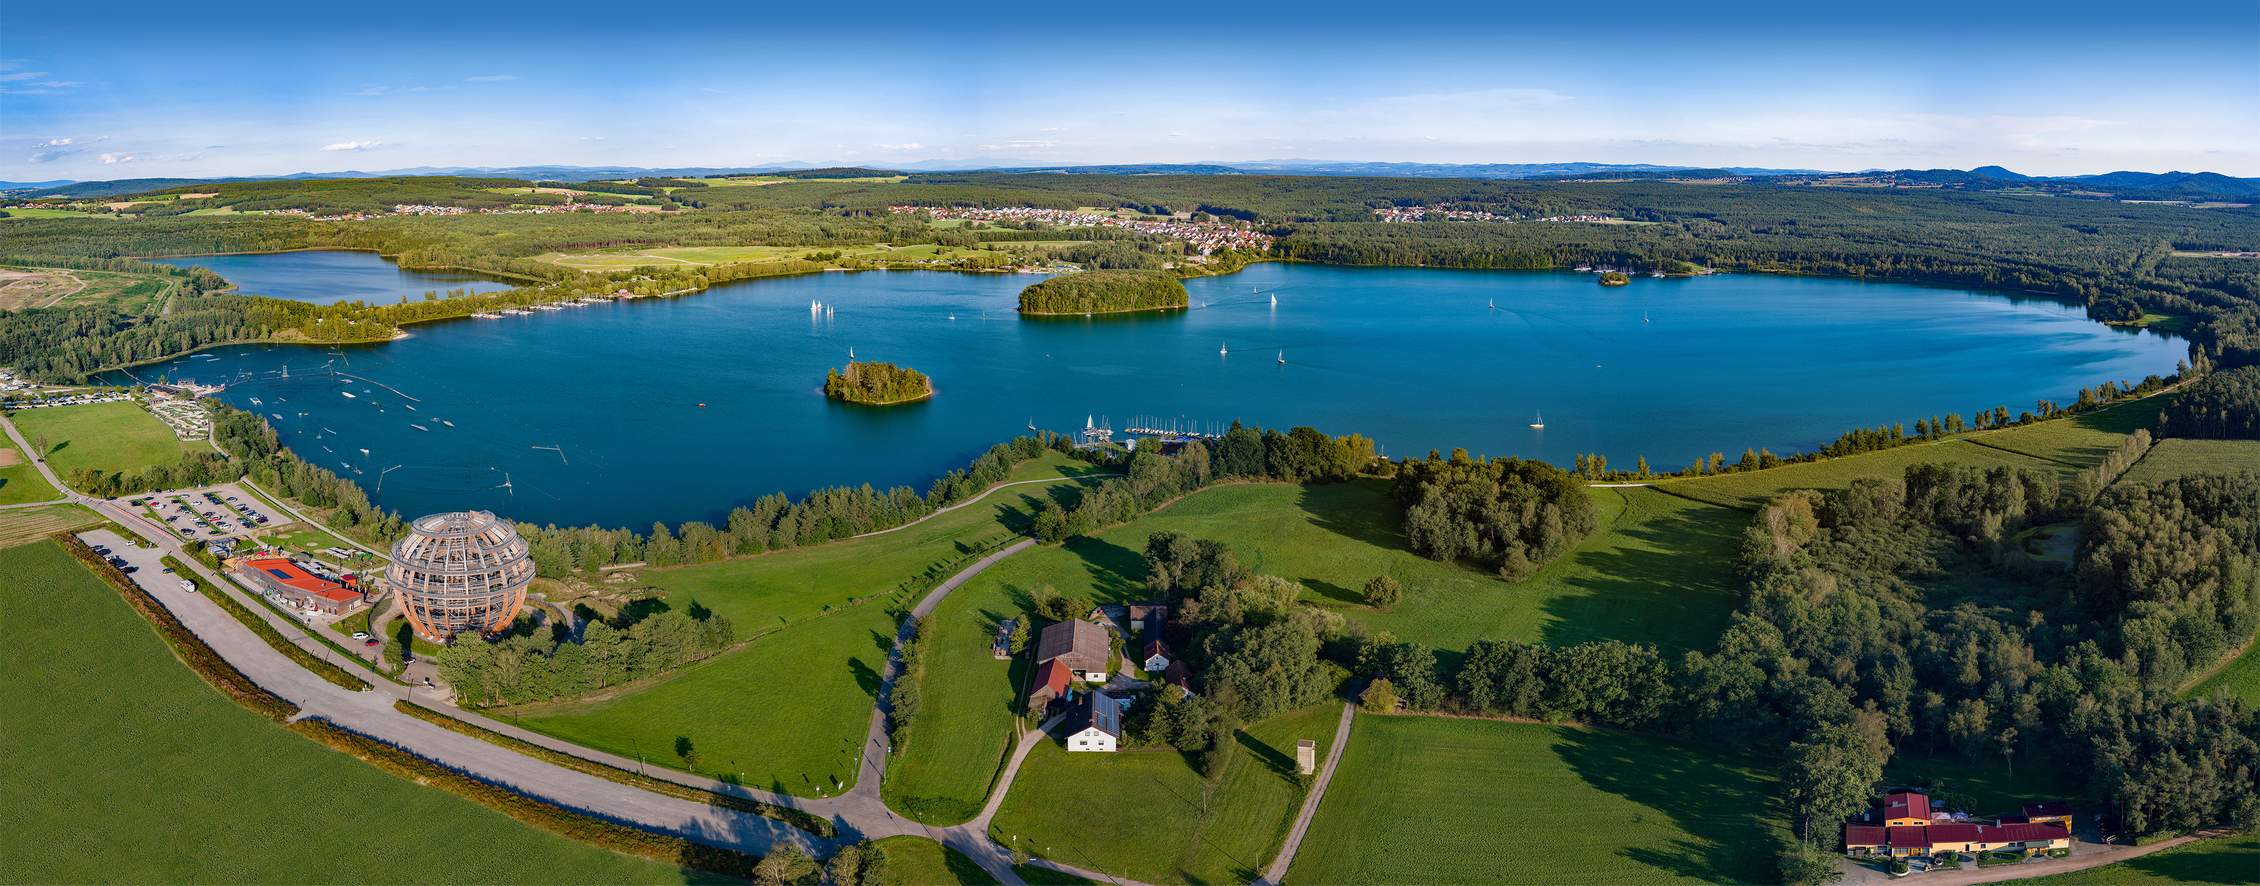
x=2079, y=441
x=24, y=525
x=700, y=256
x=1165, y=822
x=917, y=861
x=2233, y=859
x=132, y=293
x=190, y=787
x=819, y=630
x=1532, y=803
x=1659, y=571
x=2180, y=457
x=110, y=437
x=1752, y=489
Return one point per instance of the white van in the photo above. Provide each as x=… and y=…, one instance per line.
x=188, y=586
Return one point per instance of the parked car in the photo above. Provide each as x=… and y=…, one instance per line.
x=360, y=635
x=186, y=585
x=372, y=641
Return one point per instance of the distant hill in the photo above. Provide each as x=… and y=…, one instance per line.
x=2130, y=185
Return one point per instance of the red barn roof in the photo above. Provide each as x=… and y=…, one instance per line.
x=1910, y=836
x=1906, y=804
x=2023, y=833
x=1054, y=675
x=1953, y=833
x=1862, y=835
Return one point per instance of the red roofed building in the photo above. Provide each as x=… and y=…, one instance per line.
x=298, y=587
x=1052, y=679
x=1908, y=839
x=1863, y=838
x=2031, y=837
x=1906, y=809
x=1952, y=837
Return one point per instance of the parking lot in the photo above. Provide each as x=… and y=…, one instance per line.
x=211, y=513
x=144, y=565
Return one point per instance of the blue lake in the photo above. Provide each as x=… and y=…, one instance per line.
x=1418, y=359
x=332, y=276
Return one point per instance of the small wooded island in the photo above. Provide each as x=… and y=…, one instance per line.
x=872, y=383
x=1104, y=292
x=1615, y=278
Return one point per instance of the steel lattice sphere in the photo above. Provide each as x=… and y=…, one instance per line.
x=461, y=571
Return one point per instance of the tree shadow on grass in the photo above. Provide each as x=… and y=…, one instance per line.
x=1360, y=509
x=2216, y=862
x=1719, y=802
x=1675, y=592
x=865, y=678
x=1117, y=573
x=1332, y=591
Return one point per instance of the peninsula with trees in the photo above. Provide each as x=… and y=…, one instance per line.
x=873, y=383
x=1104, y=292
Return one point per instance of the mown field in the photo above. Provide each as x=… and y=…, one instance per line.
x=2081, y=440
x=2233, y=859
x=714, y=255
x=1434, y=800
x=125, y=767
x=1162, y=821
x=2181, y=457
x=1659, y=571
x=917, y=861
x=112, y=437
x=787, y=710
x=22, y=525
x=1751, y=489
x=20, y=481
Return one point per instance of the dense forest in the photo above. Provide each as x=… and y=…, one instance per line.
x=1104, y=292
x=2220, y=405
x=874, y=383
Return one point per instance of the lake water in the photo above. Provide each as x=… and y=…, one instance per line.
x=677, y=409
x=332, y=276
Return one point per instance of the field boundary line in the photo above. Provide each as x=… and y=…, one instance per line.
x=2046, y=458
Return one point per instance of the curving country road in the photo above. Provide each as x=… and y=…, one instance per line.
x=857, y=815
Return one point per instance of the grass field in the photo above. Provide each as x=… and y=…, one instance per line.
x=787, y=710
x=1431, y=800
x=1751, y=489
x=111, y=437
x=2233, y=859
x=24, y=525
x=1163, y=822
x=29, y=287
x=2079, y=441
x=917, y=861
x=133, y=770
x=1659, y=571
x=2183, y=457
x=2240, y=677
x=700, y=256
x=20, y=481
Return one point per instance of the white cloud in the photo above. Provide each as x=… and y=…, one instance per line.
x=114, y=159
x=57, y=142
x=490, y=78
x=21, y=76
x=906, y=146
x=351, y=146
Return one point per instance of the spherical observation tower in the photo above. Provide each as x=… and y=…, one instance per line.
x=460, y=571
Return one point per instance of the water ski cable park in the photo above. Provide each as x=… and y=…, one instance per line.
x=1669, y=369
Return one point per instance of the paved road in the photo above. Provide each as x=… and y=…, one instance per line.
x=1278, y=869
x=858, y=814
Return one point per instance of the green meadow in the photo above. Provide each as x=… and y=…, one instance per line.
x=2182, y=457
x=1658, y=571
x=128, y=768
x=1163, y=821
x=2232, y=859
x=786, y=710
x=111, y=437
x=917, y=861
x=1751, y=489
x=1438, y=800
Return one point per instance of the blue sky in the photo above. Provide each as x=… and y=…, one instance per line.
x=122, y=90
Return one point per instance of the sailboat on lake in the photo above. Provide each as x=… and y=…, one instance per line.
x=1539, y=423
